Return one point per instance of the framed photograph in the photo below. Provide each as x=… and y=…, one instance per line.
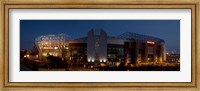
x=100, y=45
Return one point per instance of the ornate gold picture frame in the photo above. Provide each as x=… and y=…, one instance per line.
x=110, y=4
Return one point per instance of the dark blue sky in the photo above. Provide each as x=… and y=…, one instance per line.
x=169, y=30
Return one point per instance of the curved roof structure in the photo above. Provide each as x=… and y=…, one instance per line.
x=51, y=41
x=134, y=36
x=57, y=41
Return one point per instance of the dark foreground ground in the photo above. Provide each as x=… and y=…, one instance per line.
x=37, y=66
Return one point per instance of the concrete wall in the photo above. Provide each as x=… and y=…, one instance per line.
x=102, y=51
x=90, y=46
x=96, y=46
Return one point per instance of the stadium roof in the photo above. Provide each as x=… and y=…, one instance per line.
x=134, y=36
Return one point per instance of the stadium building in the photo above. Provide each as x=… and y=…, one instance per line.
x=98, y=47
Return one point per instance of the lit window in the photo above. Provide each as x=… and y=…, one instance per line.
x=28, y=55
x=44, y=54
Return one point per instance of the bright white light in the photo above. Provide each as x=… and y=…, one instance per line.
x=88, y=60
x=104, y=60
x=55, y=47
x=92, y=60
x=100, y=60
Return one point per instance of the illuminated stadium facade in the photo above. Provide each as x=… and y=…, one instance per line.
x=98, y=47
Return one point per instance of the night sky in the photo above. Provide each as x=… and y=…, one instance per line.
x=169, y=30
